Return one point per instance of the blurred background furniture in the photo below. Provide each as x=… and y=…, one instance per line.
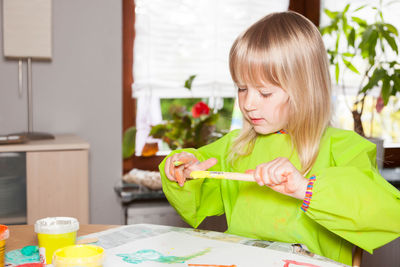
x=56, y=179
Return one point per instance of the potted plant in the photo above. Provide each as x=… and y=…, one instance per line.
x=188, y=128
x=372, y=43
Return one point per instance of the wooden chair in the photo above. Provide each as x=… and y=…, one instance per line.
x=357, y=256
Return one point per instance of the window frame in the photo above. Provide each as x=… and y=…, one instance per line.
x=309, y=8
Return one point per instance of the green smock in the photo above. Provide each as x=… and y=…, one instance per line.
x=351, y=202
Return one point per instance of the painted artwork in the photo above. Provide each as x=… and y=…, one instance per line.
x=180, y=249
x=155, y=256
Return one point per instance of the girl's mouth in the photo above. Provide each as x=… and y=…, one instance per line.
x=256, y=120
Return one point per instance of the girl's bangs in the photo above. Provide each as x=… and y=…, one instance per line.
x=254, y=67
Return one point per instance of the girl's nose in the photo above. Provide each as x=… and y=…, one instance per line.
x=249, y=103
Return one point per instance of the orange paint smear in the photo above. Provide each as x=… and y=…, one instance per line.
x=289, y=262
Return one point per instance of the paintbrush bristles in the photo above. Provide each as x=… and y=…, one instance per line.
x=177, y=163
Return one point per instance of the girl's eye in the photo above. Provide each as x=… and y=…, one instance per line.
x=241, y=89
x=266, y=95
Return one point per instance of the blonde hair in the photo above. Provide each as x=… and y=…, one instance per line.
x=287, y=50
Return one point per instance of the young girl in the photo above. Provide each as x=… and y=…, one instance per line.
x=316, y=185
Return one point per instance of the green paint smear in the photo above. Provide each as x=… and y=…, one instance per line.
x=152, y=255
x=28, y=254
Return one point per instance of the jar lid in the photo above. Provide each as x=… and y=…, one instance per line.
x=79, y=255
x=4, y=232
x=56, y=225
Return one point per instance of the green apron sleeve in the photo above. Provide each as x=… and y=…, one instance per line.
x=352, y=199
x=198, y=198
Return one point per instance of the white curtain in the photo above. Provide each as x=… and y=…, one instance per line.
x=148, y=114
x=178, y=38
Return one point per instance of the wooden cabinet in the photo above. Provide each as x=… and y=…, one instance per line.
x=56, y=177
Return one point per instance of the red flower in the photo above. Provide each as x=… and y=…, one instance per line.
x=379, y=104
x=199, y=109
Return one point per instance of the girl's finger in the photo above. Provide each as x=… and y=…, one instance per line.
x=186, y=159
x=186, y=172
x=167, y=166
x=171, y=171
x=272, y=171
x=205, y=165
x=266, y=173
x=257, y=175
x=172, y=168
x=180, y=178
x=285, y=176
x=279, y=177
x=265, y=176
x=284, y=170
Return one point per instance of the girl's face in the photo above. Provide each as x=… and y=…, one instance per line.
x=264, y=106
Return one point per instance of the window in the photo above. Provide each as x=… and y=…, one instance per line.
x=309, y=8
x=178, y=38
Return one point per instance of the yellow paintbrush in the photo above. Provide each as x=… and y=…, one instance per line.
x=222, y=175
x=218, y=175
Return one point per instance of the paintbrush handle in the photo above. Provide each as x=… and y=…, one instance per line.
x=222, y=175
x=238, y=176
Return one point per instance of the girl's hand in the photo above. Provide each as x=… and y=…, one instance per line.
x=189, y=163
x=280, y=175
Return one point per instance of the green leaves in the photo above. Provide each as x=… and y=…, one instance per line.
x=337, y=70
x=376, y=76
x=367, y=41
x=361, y=7
x=189, y=81
x=391, y=41
x=354, y=40
x=362, y=23
x=391, y=29
x=351, y=37
x=350, y=66
x=385, y=92
x=128, y=142
x=184, y=130
x=331, y=14
x=389, y=83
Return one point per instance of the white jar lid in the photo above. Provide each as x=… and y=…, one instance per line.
x=56, y=225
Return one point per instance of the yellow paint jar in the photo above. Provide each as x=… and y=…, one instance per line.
x=4, y=234
x=79, y=255
x=54, y=233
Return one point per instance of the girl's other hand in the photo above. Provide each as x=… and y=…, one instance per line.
x=280, y=175
x=189, y=163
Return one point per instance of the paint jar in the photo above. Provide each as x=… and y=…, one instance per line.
x=4, y=234
x=79, y=255
x=54, y=233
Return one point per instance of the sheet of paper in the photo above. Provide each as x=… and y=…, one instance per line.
x=180, y=249
x=116, y=237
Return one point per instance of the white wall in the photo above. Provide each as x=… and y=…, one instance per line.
x=79, y=91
